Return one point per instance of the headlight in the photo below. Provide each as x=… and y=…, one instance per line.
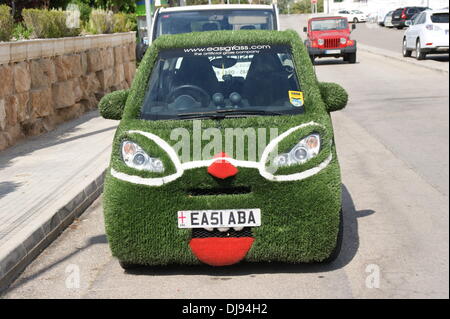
x=306, y=149
x=343, y=40
x=134, y=156
x=321, y=41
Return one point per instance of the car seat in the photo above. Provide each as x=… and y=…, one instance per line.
x=210, y=27
x=266, y=83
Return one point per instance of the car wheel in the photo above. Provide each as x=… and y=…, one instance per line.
x=420, y=55
x=400, y=28
x=140, y=51
x=340, y=238
x=128, y=266
x=350, y=58
x=405, y=51
x=355, y=20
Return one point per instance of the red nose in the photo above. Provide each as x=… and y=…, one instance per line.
x=222, y=168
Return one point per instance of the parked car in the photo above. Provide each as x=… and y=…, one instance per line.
x=165, y=204
x=330, y=37
x=428, y=33
x=354, y=16
x=199, y=18
x=388, y=20
x=400, y=15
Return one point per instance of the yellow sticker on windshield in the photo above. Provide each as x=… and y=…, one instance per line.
x=296, y=98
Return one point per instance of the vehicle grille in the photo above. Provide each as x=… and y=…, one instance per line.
x=203, y=233
x=219, y=191
x=332, y=43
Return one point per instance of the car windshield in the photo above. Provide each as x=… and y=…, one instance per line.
x=439, y=18
x=209, y=20
x=238, y=80
x=329, y=24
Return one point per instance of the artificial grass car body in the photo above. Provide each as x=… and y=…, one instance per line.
x=294, y=209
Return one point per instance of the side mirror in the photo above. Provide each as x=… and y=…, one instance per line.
x=305, y=29
x=334, y=96
x=111, y=105
x=353, y=26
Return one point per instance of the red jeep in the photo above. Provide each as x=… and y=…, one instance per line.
x=330, y=37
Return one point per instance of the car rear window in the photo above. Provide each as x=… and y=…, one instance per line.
x=439, y=18
x=210, y=20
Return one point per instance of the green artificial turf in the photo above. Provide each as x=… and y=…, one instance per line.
x=299, y=219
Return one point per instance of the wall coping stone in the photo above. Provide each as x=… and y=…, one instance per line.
x=43, y=48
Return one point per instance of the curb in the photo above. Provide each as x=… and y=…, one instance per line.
x=392, y=55
x=19, y=257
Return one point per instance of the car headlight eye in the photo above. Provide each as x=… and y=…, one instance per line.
x=134, y=156
x=343, y=40
x=306, y=149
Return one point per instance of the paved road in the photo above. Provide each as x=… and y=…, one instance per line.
x=393, y=148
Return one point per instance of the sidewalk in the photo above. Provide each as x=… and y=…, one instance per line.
x=46, y=182
x=428, y=64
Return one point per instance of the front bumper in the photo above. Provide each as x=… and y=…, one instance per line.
x=300, y=219
x=318, y=52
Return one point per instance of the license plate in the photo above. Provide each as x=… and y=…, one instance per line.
x=219, y=218
x=396, y=17
x=332, y=51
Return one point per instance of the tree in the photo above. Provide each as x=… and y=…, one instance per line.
x=304, y=6
x=18, y=5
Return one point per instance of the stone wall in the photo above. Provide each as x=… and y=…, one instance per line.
x=46, y=82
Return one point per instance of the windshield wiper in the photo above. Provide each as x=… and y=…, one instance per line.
x=249, y=112
x=201, y=115
x=221, y=114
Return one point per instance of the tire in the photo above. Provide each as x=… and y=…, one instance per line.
x=350, y=57
x=140, y=51
x=128, y=266
x=400, y=28
x=340, y=238
x=355, y=20
x=405, y=51
x=420, y=55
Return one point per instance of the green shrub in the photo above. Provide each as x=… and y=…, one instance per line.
x=6, y=23
x=101, y=21
x=124, y=22
x=48, y=23
x=20, y=32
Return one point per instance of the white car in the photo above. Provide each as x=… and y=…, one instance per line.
x=354, y=16
x=198, y=18
x=427, y=33
x=388, y=20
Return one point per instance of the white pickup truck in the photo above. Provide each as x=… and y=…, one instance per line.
x=200, y=18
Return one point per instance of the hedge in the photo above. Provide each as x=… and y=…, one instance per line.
x=6, y=23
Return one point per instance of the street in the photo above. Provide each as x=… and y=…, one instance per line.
x=393, y=145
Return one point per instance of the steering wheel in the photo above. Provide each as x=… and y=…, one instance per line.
x=194, y=91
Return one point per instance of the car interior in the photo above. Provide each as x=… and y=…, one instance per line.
x=207, y=83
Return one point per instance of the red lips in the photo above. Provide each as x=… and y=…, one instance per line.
x=221, y=251
x=222, y=168
x=218, y=251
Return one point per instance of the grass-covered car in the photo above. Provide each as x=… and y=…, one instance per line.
x=224, y=152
